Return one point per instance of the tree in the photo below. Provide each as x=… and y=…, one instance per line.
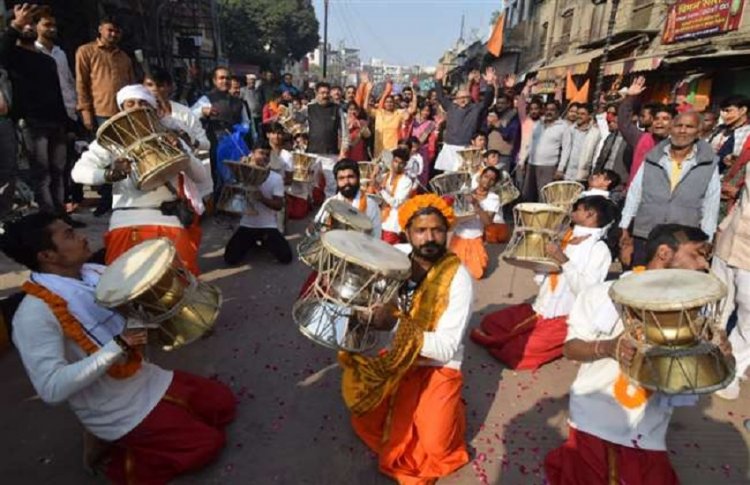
x=268, y=32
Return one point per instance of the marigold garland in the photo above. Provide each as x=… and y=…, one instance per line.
x=415, y=204
x=73, y=330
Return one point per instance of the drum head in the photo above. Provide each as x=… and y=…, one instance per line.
x=534, y=207
x=450, y=183
x=134, y=272
x=367, y=252
x=537, y=265
x=667, y=289
x=346, y=214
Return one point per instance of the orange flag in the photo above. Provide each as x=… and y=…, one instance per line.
x=495, y=44
x=582, y=96
x=571, y=90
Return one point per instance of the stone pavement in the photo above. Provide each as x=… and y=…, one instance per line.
x=292, y=427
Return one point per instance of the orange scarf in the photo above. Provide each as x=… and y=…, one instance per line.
x=392, y=191
x=554, y=278
x=73, y=330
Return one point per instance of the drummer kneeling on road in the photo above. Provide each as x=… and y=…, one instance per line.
x=412, y=393
x=261, y=229
x=617, y=428
x=77, y=351
x=166, y=211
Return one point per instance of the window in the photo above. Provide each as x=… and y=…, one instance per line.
x=567, y=25
x=542, y=46
x=641, y=18
x=597, y=22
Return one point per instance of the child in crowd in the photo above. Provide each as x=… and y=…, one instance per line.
x=467, y=242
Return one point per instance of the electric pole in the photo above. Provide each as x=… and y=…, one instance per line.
x=325, y=39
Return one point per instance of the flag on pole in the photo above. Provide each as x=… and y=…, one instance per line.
x=495, y=44
x=572, y=93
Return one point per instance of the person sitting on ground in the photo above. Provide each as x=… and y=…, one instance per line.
x=137, y=416
x=617, y=430
x=528, y=336
x=467, y=241
x=167, y=211
x=261, y=228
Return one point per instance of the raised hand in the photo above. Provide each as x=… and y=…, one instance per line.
x=510, y=81
x=23, y=14
x=637, y=86
x=490, y=76
x=439, y=74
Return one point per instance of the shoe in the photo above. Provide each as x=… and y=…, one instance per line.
x=72, y=222
x=731, y=392
x=100, y=211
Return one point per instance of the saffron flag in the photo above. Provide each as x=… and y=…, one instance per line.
x=495, y=44
x=573, y=94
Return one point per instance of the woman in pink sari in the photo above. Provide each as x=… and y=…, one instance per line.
x=423, y=127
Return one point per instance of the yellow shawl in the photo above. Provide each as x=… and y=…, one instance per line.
x=366, y=381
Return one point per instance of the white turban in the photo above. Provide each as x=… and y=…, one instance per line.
x=135, y=91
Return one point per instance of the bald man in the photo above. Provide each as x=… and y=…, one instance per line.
x=678, y=183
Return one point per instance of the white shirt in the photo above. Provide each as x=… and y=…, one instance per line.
x=414, y=166
x=395, y=200
x=473, y=228
x=65, y=76
x=89, y=170
x=588, y=264
x=372, y=211
x=281, y=162
x=266, y=217
x=190, y=124
x=444, y=346
x=61, y=371
x=593, y=407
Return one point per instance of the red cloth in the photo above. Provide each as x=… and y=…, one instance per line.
x=521, y=339
x=645, y=143
x=497, y=233
x=586, y=459
x=297, y=207
x=183, y=433
x=186, y=241
x=391, y=237
x=418, y=434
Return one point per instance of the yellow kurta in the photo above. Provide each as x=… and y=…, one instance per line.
x=387, y=125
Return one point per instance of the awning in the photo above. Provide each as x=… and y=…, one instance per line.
x=633, y=64
x=576, y=63
x=534, y=67
x=705, y=57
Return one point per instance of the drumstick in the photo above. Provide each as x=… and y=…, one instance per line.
x=512, y=279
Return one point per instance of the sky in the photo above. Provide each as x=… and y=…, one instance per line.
x=404, y=32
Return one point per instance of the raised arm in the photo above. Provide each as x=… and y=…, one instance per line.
x=386, y=92
x=444, y=101
x=625, y=124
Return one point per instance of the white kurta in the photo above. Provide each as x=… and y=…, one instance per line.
x=395, y=199
x=593, y=407
x=588, y=264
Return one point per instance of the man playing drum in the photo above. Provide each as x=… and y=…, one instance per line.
x=617, y=429
x=262, y=227
x=406, y=403
x=139, y=416
x=395, y=190
x=528, y=336
x=139, y=215
x=467, y=241
x=346, y=173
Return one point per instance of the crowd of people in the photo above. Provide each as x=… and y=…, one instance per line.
x=663, y=185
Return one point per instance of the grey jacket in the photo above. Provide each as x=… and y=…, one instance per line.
x=685, y=205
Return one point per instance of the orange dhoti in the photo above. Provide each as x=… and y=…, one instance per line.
x=472, y=254
x=497, y=233
x=186, y=241
x=418, y=433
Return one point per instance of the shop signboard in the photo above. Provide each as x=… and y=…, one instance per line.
x=694, y=19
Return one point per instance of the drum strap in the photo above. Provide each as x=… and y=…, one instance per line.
x=73, y=330
x=554, y=278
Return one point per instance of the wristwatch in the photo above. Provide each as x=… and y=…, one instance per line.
x=122, y=343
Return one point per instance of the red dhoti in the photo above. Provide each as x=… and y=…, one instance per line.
x=186, y=241
x=521, y=339
x=418, y=433
x=296, y=207
x=472, y=254
x=183, y=433
x=497, y=233
x=587, y=459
